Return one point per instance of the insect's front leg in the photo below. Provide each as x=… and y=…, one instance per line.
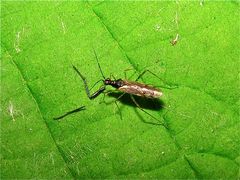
x=95, y=94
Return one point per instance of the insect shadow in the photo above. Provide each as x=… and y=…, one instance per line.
x=145, y=103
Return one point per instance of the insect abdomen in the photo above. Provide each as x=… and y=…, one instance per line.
x=141, y=90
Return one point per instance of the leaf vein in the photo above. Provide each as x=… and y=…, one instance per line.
x=61, y=153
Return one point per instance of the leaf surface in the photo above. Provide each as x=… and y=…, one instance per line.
x=40, y=41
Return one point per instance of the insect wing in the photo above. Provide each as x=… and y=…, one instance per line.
x=140, y=89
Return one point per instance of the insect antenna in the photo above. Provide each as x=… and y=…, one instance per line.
x=98, y=63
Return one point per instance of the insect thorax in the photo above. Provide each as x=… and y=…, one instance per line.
x=114, y=83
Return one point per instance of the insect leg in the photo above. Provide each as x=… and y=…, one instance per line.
x=111, y=75
x=70, y=112
x=95, y=84
x=95, y=94
x=117, y=104
x=120, y=96
x=135, y=102
x=118, y=110
x=104, y=95
x=143, y=73
x=140, y=75
x=129, y=69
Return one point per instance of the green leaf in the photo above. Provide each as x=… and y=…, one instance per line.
x=41, y=40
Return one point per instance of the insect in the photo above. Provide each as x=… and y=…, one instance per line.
x=125, y=86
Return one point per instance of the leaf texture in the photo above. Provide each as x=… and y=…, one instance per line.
x=40, y=41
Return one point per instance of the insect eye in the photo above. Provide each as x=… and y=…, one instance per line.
x=107, y=81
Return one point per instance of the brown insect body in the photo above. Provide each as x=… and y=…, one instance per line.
x=125, y=86
x=135, y=88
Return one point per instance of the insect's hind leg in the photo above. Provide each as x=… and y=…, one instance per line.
x=145, y=71
x=160, y=123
